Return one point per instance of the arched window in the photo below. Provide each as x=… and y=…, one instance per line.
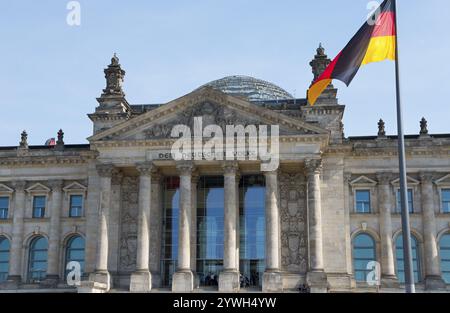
x=400, y=260
x=363, y=253
x=4, y=258
x=75, y=252
x=445, y=257
x=37, y=264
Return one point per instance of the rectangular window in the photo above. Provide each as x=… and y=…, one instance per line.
x=363, y=201
x=410, y=201
x=446, y=200
x=76, y=206
x=4, y=206
x=39, y=206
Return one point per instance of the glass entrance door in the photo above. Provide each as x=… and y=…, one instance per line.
x=210, y=230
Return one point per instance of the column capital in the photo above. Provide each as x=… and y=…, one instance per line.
x=230, y=168
x=145, y=169
x=185, y=168
x=56, y=184
x=156, y=176
x=313, y=166
x=19, y=185
x=384, y=178
x=426, y=177
x=105, y=170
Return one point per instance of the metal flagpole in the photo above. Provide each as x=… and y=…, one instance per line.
x=406, y=229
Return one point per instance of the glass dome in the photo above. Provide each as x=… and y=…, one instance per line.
x=253, y=89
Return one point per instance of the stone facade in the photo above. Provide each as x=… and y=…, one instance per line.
x=311, y=216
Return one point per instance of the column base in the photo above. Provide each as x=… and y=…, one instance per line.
x=99, y=282
x=229, y=281
x=51, y=281
x=183, y=281
x=389, y=281
x=435, y=283
x=141, y=282
x=317, y=281
x=272, y=282
x=12, y=283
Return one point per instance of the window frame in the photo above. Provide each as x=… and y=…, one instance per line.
x=411, y=206
x=8, y=208
x=32, y=242
x=8, y=261
x=68, y=241
x=33, y=199
x=441, y=259
x=374, y=250
x=420, y=264
x=71, y=195
x=355, y=208
x=441, y=199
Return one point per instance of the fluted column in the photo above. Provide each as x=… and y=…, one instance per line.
x=316, y=279
x=55, y=229
x=141, y=280
x=16, y=261
x=229, y=278
x=156, y=229
x=183, y=279
x=272, y=280
x=101, y=275
x=194, y=184
x=433, y=278
x=388, y=276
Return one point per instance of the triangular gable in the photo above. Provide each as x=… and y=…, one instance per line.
x=411, y=181
x=38, y=187
x=159, y=117
x=75, y=187
x=443, y=181
x=5, y=189
x=363, y=181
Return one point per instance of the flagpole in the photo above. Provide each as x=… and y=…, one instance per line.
x=406, y=228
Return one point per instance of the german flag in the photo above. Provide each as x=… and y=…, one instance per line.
x=374, y=42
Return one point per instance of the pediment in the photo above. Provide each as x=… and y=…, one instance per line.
x=75, y=187
x=38, y=187
x=443, y=181
x=363, y=181
x=5, y=189
x=410, y=181
x=214, y=107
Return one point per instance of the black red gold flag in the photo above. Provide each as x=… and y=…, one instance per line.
x=374, y=42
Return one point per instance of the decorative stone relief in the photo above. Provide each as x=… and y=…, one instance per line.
x=128, y=227
x=294, y=251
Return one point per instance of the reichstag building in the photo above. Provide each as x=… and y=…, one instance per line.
x=137, y=220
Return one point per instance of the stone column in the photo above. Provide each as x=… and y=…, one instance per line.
x=16, y=260
x=54, y=236
x=141, y=280
x=316, y=278
x=183, y=279
x=156, y=230
x=194, y=184
x=101, y=277
x=388, y=276
x=229, y=278
x=433, y=278
x=272, y=279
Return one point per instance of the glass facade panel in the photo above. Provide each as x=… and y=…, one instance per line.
x=410, y=201
x=76, y=206
x=4, y=206
x=252, y=230
x=400, y=260
x=75, y=252
x=37, y=262
x=446, y=200
x=39, y=206
x=364, y=252
x=169, y=252
x=445, y=257
x=4, y=259
x=210, y=229
x=363, y=201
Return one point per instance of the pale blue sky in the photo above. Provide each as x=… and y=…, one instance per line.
x=51, y=73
